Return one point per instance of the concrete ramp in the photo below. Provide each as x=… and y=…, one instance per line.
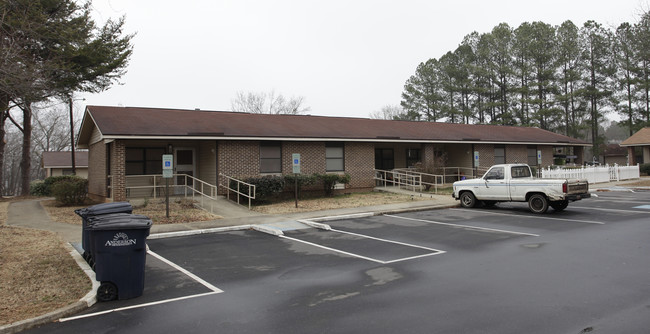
x=225, y=208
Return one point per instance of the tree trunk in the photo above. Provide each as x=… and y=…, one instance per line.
x=4, y=105
x=26, y=161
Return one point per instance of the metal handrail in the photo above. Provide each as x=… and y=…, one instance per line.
x=238, y=189
x=437, y=179
x=191, y=184
x=157, y=184
x=399, y=178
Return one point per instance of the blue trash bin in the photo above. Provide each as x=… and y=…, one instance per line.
x=97, y=210
x=119, y=252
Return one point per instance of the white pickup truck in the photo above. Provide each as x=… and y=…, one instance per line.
x=514, y=183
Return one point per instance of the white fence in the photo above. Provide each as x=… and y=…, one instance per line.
x=594, y=174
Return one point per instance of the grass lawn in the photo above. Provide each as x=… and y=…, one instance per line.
x=339, y=201
x=180, y=211
x=37, y=273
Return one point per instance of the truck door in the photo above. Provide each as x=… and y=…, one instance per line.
x=493, y=185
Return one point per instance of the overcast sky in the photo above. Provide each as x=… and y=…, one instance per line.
x=346, y=58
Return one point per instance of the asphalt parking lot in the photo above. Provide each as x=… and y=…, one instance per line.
x=499, y=270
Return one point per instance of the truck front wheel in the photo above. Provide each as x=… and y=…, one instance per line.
x=537, y=203
x=467, y=200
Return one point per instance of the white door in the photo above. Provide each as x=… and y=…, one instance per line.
x=184, y=164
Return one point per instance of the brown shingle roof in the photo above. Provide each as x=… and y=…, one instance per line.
x=640, y=138
x=64, y=159
x=114, y=122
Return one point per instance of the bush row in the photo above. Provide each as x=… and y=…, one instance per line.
x=67, y=189
x=271, y=185
x=644, y=169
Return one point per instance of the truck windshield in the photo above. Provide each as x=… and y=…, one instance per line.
x=520, y=171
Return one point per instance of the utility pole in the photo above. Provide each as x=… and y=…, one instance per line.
x=74, y=167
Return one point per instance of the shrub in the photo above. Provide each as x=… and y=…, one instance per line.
x=303, y=181
x=70, y=191
x=265, y=186
x=44, y=188
x=644, y=169
x=38, y=188
x=329, y=181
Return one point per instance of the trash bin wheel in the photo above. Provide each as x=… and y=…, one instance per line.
x=107, y=291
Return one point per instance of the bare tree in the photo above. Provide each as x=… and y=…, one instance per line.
x=271, y=103
x=391, y=112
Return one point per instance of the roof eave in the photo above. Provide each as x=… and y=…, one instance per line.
x=314, y=139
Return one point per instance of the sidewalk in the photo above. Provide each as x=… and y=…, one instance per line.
x=31, y=214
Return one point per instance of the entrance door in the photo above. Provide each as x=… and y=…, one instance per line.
x=384, y=158
x=184, y=164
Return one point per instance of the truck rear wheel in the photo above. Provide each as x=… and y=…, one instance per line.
x=537, y=203
x=467, y=200
x=559, y=205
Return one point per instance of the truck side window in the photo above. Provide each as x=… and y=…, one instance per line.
x=495, y=174
x=520, y=171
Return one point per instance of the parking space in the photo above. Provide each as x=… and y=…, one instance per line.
x=429, y=271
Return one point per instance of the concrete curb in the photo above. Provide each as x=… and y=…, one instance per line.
x=85, y=302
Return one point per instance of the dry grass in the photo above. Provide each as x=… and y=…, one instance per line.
x=180, y=211
x=4, y=208
x=340, y=201
x=643, y=182
x=37, y=274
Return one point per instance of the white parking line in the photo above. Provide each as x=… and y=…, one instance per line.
x=526, y=216
x=605, y=209
x=214, y=290
x=433, y=251
x=616, y=200
x=464, y=226
x=181, y=269
x=135, y=306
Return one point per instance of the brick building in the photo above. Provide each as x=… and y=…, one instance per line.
x=638, y=146
x=60, y=163
x=127, y=141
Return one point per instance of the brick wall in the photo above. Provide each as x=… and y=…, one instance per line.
x=118, y=170
x=97, y=171
x=360, y=163
x=240, y=159
x=547, y=155
x=514, y=154
x=485, y=154
x=517, y=154
x=312, y=157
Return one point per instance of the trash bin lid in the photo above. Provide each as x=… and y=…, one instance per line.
x=119, y=221
x=105, y=208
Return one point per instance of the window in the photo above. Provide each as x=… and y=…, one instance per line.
x=499, y=154
x=532, y=155
x=67, y=171
x=412, y=156
x=334, y=157
x=271, y=157
x=384, y=159
x=495, y=173
x=144, y=161
x=519, y=171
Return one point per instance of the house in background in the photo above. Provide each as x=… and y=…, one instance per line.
x=614, y=154
x=127, y=142
x=638, y=146
x=60, y=163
